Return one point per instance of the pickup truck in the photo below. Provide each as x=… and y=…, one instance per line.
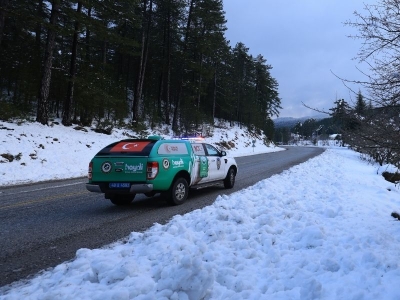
x=155, y=165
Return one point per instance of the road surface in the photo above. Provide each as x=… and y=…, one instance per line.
x=44, y=224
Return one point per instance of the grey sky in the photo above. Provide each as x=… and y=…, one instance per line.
x=304, y=41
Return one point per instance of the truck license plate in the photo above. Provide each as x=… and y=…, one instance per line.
x=119, y=185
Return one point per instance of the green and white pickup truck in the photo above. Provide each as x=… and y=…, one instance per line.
x=155, y=165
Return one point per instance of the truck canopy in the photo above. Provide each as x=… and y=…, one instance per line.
x=134, y=147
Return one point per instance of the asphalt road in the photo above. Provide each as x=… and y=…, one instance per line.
x=44, y=224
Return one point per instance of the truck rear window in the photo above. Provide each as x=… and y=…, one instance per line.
x=128, y=147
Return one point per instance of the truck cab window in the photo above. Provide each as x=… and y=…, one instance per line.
x=211, y=150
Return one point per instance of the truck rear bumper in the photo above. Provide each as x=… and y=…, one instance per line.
x=134, y=189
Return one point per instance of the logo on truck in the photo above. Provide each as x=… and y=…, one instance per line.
x=172, y=148
x=178, y=163
x=106, y=167
x=134, y=168
x=165, y=163
x=218, y=163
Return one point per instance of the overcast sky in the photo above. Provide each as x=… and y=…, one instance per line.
x=304, y=41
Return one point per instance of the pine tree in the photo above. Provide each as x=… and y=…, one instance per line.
x=361, y=106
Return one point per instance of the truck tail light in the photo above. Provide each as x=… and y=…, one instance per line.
x=152, y=170
x=90, y=170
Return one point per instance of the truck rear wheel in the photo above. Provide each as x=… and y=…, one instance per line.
x=178, y=192
x=121, y=199
x=150, y=194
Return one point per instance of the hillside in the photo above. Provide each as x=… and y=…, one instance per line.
x=30, y=151
x=291, y=122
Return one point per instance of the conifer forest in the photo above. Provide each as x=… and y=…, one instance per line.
x=167, y=61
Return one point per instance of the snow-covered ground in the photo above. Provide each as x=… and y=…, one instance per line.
x=320, y=230
x=46, y=153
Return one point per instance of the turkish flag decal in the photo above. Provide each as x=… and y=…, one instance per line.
x=129, y=147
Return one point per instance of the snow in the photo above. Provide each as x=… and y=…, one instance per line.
x=60, y=152
x=320, y=230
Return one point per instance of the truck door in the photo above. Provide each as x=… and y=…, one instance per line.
x=216, y=164
x=200, y=169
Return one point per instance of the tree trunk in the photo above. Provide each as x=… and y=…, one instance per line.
x=200, y=82
x=43, y=109
x=37, y=50
x=168, y=79
x=38, y=29
x=201, y=76
x=163, y=72
x=214, y=95
x=143, y=59
x=180, y=93
x=88, y=35
x=86, y=116
x=160, y=93
x=72, y=71
x=3, y=7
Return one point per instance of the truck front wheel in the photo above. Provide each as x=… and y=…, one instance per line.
x=229, y=180
x=178, y=192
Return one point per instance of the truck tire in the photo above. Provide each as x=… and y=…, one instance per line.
x=179, y=192
x=229, y=180
x=150, y=194
x=122, y=199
